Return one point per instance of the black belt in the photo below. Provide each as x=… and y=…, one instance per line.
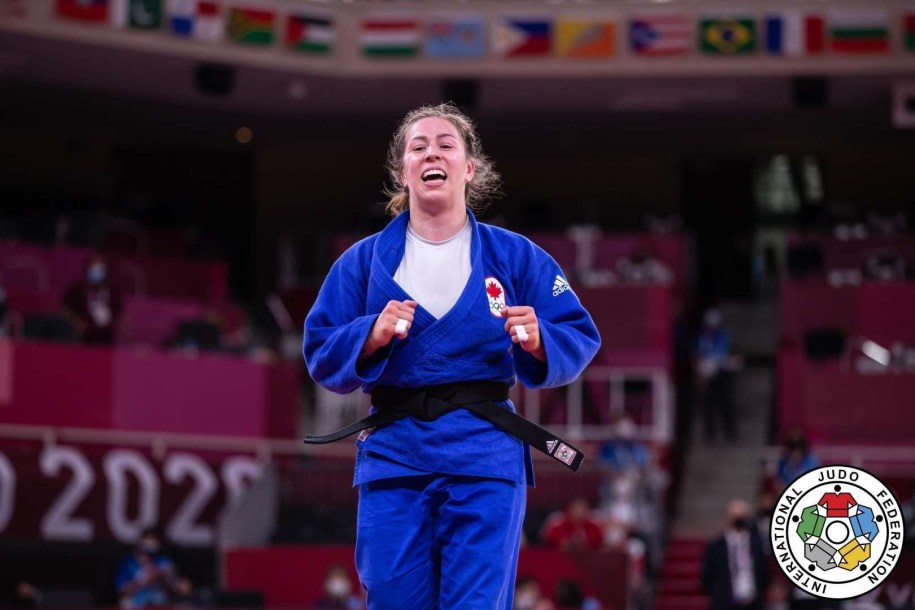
x=479, y=397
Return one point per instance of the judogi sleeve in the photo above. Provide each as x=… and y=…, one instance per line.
x=569, y=336
x=337, y=326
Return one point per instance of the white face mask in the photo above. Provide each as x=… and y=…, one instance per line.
x=525, y=600
x=337, y=587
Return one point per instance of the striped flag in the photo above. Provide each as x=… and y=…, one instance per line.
x=862, y=30
x=199, y=19
x=84, y=10
x=389, y=36
x=794, y=33
x=578, y=37
x=908, y=25
x=455, y=37
x=727, y=35
x=136, y=14
x=310, y=34
x=523, y=37
x=250, y=25
x=660, y=34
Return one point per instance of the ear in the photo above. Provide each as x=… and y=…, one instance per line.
x=471, y=169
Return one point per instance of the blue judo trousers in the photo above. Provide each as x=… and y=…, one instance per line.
x=441, y=503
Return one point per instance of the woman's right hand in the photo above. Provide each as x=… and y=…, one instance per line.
x=386, y=323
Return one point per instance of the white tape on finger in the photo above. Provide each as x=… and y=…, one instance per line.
x=522, y=334
x=401, y=327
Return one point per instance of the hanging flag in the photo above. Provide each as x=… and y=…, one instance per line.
x=859, y=31
x=578, y=37
x=727, y=35
x=523, y=37
x=389, y=36
x=794, y=33
x=84, y=10
x=660, y=34
x=199, y=19
x=248, y=25
x=136, y=14
x=455, y=37
x=310, y=34
x=908, y=24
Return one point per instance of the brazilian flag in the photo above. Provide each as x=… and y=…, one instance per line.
x=727, y=36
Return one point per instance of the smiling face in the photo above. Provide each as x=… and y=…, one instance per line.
x=436, y=169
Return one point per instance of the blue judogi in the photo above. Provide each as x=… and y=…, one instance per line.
x=468, y=343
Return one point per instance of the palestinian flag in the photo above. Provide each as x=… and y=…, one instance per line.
x=310, y=34
x=908, y=26
x=251, y=25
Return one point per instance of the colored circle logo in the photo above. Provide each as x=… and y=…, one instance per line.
x=837, y=532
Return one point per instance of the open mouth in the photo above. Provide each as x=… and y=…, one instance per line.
x=434, y=176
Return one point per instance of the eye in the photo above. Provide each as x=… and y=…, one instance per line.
x=419, y=148
x=447, y=146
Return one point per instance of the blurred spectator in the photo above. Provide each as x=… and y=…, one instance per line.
x=528, y=595
x=735, y=573
x=908, y=514
x=93, y=304
x=570, y=597
x=575, y=529
x=3, y=322
x=643, y=266
x=713, y=365
x=764, y=509
x=146, y=577
x=338, y=591
x=25, y=595
x=796, y=459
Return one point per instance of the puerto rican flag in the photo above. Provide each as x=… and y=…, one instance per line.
x=794, y=33
x=660, y=34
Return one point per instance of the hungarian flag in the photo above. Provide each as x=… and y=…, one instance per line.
x=83, y=10
x=389, y=36
x=857, y=31
x=310, y=34
x=251, y=25
x=794, y=33
x=908, y=24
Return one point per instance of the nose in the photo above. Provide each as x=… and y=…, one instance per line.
x=432, y=153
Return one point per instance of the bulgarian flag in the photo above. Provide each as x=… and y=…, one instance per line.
x=250, y=25
x=389, y=36
x=859, y=31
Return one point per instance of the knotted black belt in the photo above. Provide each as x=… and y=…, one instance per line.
x=479, y=397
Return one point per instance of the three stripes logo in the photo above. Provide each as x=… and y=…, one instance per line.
x=560, y=286
x=551, y=445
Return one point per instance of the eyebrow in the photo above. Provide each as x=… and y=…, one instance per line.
x=441, y=135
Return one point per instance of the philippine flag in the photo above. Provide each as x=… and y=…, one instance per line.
x=794, y=33
x=523, y=37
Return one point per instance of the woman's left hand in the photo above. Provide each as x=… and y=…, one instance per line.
x=523, y=315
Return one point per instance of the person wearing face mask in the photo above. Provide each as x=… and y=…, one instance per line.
x=713, y=365
x=735, y=573
x=338, y=591
x=436, y=317
x=93, y=304
x=146, y=577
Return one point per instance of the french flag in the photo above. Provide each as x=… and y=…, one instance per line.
x=794, y=33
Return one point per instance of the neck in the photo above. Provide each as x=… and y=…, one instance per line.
x=437, y=225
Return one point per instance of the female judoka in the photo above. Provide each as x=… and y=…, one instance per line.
x=439, y=300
